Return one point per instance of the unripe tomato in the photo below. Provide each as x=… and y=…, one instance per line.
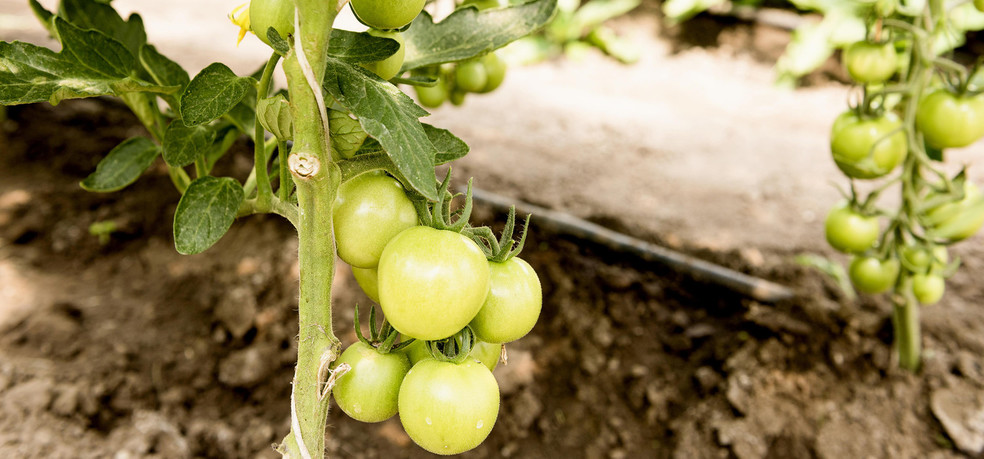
x=849, y=231
x=369, y=211
x=457, y=97
x=950, y=121
x=487, y=354
x=368, y=280
x=387, y=14
x=513, y=304
x=495, y=69
x=956, y=221
x=979, y=4
x=869, y=62
x=432, y=282
x=921, y=260
x=928, y=288
x=389, y=67
x=432, y=96
x=871, y=275
x=470, y=76
x=369, y=391
x=867, y=148
x=448, y=408
x=278, y=14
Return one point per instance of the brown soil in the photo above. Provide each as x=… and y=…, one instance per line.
x=127, y=349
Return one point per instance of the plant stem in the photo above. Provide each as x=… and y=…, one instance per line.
x=264, y=189
x=286, y=183
x=317, y=179
x=905, y=318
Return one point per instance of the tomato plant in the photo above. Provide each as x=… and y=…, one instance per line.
x=446, y=407
x=851, y=231
x=956, y=219
x=928, y=288
x=867, y=148
x=869, y=62
x=324, y=152
x=947, y=120
x=871, y=275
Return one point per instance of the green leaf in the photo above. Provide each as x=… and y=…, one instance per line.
x=123, y=165
x=212, y=93
x=205, y=212
x=89, y=14
x=358, y=48
x=467, y=32
x=184, y=144
x=45, y=17
x=596, y=12
x=30, y=73
x=389, y=116
x=163, y=70
x=277, y=42
x=449, y=147
x=274, y=114
x=95, y=50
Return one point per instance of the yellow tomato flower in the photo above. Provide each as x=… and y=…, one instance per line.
x=240, y=17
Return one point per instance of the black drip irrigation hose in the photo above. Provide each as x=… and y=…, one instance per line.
x=563, y=223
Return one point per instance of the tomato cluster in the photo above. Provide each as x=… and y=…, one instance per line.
x=453, y=292
x=883, y=132
x=479, y=75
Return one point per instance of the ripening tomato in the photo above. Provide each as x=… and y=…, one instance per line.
x=369, y=391
x=869, y=62
x=871, y=275
x=947, y=120
x=387, y=14
x=448, y=408
x=513, y=304
x=849, y=231
x=866, y=148
x=388, y=68
x=369, y=211
x=432, y=282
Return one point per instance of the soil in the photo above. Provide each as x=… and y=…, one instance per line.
x=127, y=349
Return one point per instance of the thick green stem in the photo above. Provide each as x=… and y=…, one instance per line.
x=905, y=318
x=317, y=179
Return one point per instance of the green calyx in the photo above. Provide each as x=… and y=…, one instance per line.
x=454, y=349
x=383, y=337
x=438, y=215
x=501, y=249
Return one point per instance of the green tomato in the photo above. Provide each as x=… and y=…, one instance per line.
x=368, y=280
x=369, y=391
x=432, y=282
x=388, y=68
x=387, y=14
x=849, y=231
x=928, y=288
x=950, y=121
x=513, y=304
x=457, y=97
x=278, y=14
x=919, y=259
x=369, y=211
x=979, y=4
x=956, y=220
x=470, y=76
x=871, y=275
x=867, y=148
x=495, y=69
x=487, y=354
x=869, y=63
x=448, y=408
x=432, y=96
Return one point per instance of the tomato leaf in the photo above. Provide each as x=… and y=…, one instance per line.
x=95, y=50
x=123, y=165
x=205, y=212
x=45, y=17
x=277, y=42
x=163, y=70
x=88, y=14
x=467, y=32
x=212, y=93
x=449, y=147
x=30, y=73
x=390, y=117
x=360, y=47
x=184, y=144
